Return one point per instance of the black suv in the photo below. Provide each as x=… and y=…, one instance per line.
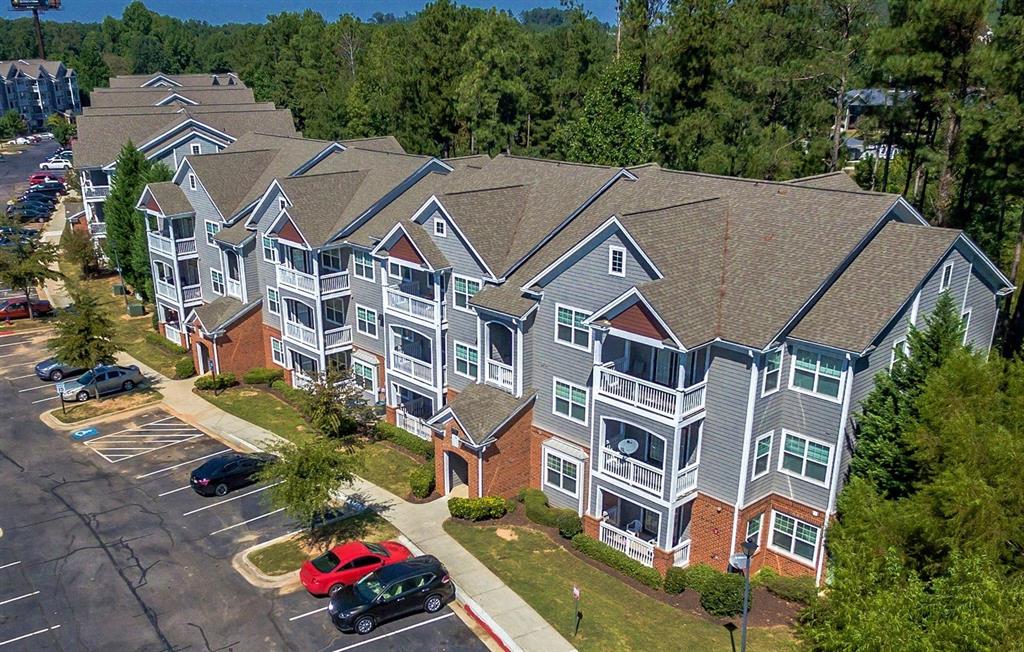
x=220, y=474
x=418, y=584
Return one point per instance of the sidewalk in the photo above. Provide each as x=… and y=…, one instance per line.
x=54, y=290
x=511, y=619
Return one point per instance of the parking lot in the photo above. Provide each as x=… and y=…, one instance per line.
x=105, y=545
x=16, y=168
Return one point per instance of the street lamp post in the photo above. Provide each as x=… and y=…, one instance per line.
x=749, y=548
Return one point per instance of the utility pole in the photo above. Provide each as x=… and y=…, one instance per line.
x=618, y=28
x=39, y=33
x=35, y=6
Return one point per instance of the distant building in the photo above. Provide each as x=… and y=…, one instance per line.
x=36, y=88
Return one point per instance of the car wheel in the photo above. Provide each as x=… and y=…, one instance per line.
x=221, y=489
x=433, y=604
x=128, y=385
x=82, y=396
x=56, y=375
x=365, y=625
x=334, y=589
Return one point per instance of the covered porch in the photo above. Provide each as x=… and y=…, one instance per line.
x=628, y=527
x=411, y=354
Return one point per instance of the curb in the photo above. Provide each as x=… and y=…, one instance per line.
x=55, y=424
x=258, y=578
x=475, y=611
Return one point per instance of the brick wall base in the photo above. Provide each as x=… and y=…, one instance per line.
x=710, y=529
x=765, y=557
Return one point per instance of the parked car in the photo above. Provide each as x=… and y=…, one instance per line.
x=39, y=177
x=219, y=475
x=418, y=584
x=105, y=379
x=55, y=164
x=49, y=186
x=18, y=308
x=40, y=197
x=40, y=204
x=53, y=369
x=347, y=564
x=28, y=214
x=66, y=153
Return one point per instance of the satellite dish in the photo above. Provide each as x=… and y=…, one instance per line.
x=628, y=446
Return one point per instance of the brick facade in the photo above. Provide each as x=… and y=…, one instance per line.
x=235, y=352
x=780, y=563
x=442, y=447
x=710, y=529
x=504, y=471
x=268, y=353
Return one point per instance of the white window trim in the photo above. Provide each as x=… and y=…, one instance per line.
x=206, y=231
x=838, y=398
x=786, y=553
x=798, y=476
x=754, y=475
x=900, y=343
x=443, y=231
x=468, y=279
x=965, y=319
x=612, y=250
x=196, y=149
x=943, y=285
x=284, y=358
x=572, y=386
x=372, y=368
x=282, y=204
x=590, y=335
x=373, y=266
x=376, y=322
x=327, y=303
x=455, y=358
x=273, y=249
x=764, y=377
x=223, y=282
x=191, y=181
x=565, y=460
x=760, y=529
x=278, y=294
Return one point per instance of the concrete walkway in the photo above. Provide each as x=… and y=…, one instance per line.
x=54, y=290
x=513, y=621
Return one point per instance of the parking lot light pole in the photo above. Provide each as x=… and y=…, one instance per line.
x=749, y=548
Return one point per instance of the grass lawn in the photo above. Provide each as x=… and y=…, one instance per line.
x=258, y=406
x=287, y=556
x=386, y=467
x=93, y=408
x=615, y=616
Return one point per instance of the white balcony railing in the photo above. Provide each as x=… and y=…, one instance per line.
x=160, y=244
x=299, y=379
x=297, y=281
x=98, y=228
x=650, y=396
x=166, y=290
x=686, y=480
x=337, y=337
x=301, y=334
x=500, y=374
x=234, y=288
x=172, y=333
x=413, y=425
x=331, y=283
x=407, y=304
x=185, y=247
x=191, y=293
x=681, y=554
x=624, y=542
x=95, y=192
x=632, y=472
x=412, y=367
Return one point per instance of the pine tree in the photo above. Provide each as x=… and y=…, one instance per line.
x=84, y=333
x=25, y=265
x=137, y=270
x=885, y=453
x=122, y=219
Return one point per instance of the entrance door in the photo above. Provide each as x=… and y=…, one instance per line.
x=458, y=471
x=205, y=362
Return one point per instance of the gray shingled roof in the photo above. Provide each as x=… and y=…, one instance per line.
x=506, y=298
x=228, y=176
x=150, y=96
x=481, y=409
x=838, y=180
x=873, y=288
x=195, y=79
x=235, y=234
x=222, y=311
x=29, y=67
x=376, y=143
x=170, y=198
x=175, y=108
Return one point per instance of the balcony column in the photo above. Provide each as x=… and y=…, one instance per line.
x=681, y=380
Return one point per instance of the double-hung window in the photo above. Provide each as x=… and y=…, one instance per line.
x=334, y=310
x=217, y=281
x=794, y=537
x=366, y=321
x=467, y=360
x=331, y=259
x=817, y=373
x=273, y=301
x=192, y=182
x=197, y=149
x=212, y=229
x=440, y=227
x=464, y=290
x=772, y=371
x=754, y=529
x=617, y=261
x=363, y=264
x=269, y=250
x=898, y=346
x=277, y=351
x=762, y=454
x=805, y=458
x=570, y=329
x=947, y=277
x=560, y=473
x=570, y=401
x=364, y=375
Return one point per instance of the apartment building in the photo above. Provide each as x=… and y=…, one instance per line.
x=164, y=80
x=36, y=88
x=679, y=357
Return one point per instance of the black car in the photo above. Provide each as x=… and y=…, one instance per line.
x=418, y=584
x=55, y=187
x=44, y=197
x=219, y=475
x=28, y=214
x=30, y=204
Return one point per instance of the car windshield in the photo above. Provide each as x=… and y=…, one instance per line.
x=326, y=562
x=377, y=549
x=85, y=378
x=369, y=587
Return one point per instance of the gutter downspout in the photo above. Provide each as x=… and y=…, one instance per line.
x=216, y=360
x=748, y=427
x=480, y=471
x=834, y=488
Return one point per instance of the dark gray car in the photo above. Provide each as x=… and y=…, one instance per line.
x=106, y=380
x=53, y=369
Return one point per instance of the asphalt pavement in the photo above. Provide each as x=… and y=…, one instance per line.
x=103, y=546
x=15, y=169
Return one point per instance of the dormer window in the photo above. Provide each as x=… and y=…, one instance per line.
x=616, y=261
x=440, y=228
x=281, y=203
x=197, y=149
x=192, y=182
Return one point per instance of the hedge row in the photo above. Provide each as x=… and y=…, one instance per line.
x=217, y=383
x=184, y=368
x=262, y=376
x=156, y=339
x=478, y=509
x=409, y=442
x=294, y=397
x=721, y=594
x=537, y=510
x=421, y=480
x=619, y=561
x=794, y=589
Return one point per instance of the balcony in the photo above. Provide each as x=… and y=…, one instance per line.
x=166, y=290
x=98, y=228
x=191, y=294
x=413, y=425
x=632, y=472
x=686, y=480
x=234, y=288
x=412, y=367
x=95, y=193
x=333, y=284
x=500, y=374
x=185, y=247
x=411, y=306
x=337, y=338
x=628, y=544
x=172, y=334
x=645, y=395
x=297, y=281
x=170, y=247
x=301, y=334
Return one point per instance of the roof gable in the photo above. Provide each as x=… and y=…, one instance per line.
x=403, y=248
x=638, y=319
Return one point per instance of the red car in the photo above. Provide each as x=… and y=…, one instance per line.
x=40, y=177
x=18, y=309
x=347, y=564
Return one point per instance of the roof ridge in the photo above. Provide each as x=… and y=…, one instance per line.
x=377, y=151
x=784, y=184
x=487, y=189
x=323, y=174
x=690, y=202
x=558, y=161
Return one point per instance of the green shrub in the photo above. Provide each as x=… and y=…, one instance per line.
x=262, y=376
x=794, y=589
x=477, y=509
x=675, y=580
x=569, y=523
x=184, y=368
x=154, y=321
x=156, y=339
x=697, y=577
x=421, y=480
x=619, y=561
x=409, y=442
x=566, y=521
x=217, y=383
x=724, y=595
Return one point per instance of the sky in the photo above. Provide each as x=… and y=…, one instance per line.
x=255, y=11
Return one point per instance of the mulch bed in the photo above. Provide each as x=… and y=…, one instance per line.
x=768, y=610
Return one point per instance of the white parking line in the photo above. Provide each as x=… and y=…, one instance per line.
x=13, y=563
x=397, y=631
x=120, y=457
x=42, y=400
x=20, y=597
x=255, y=518
x=24, y=636
x=170, y=468
x=32, y=389
x=22, y=377
x=228, y=500
x=173, y=491
x=10, y=355
x=308, y=613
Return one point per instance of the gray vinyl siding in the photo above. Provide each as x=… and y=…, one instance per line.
x=597, y=483
x=984, y=305
x=529, y=341
x=209, y=255
x=367, y=294
x=251, y=271
x=586, y=285
x=266, y=270
x=604, y=411
x=721, y=448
